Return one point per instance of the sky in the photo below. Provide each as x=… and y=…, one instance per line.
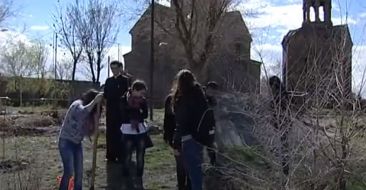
x=268, y=21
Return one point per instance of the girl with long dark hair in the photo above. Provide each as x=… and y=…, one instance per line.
x=170, y=134
x=189, y=104
x=80, y=120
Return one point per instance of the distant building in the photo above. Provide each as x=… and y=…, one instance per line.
x=318, y=56
x=230, y=63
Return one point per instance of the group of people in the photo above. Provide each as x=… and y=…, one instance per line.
x=126, y=110
x=189, y=126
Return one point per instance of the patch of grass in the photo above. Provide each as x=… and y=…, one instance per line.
x=356, y=185
x=42, y=154
x=158, y=118
x=158, y=185
x=159, y=156
x=159, y=165
x=249, y=155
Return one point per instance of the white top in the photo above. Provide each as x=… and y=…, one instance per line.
x=126, y=128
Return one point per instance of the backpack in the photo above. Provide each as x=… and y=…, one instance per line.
x=205, y=133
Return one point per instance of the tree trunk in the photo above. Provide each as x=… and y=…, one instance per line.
x=92, y=72
x=74, y=69
x=201, y=73
x=91, y=67
x=99, y=62
x=342, y=181
x=20, y=96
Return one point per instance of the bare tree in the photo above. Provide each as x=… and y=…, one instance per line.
x=66, y=24
x=15, y=59
x=334, y=141
x=38, y=58
x=89, y=27
x=6, y=10
x=64, y=69
x=98, y=29
x=23, y=60
x=326, y=131
x=196, y=23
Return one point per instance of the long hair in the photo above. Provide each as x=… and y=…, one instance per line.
x=185, y=82
x=86, y=98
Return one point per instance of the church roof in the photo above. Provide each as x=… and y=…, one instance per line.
x=159, y=8
x=232, y=16
x=336, y=31
x=236, y=16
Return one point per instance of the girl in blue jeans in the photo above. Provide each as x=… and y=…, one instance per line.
x=80, y=120
x=189, y=104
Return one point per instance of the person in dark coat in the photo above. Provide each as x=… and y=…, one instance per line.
x=170, y=134
x=210, y=89
x=115, y=87
x=134, y=110
x=281, y=118
x=189, y=105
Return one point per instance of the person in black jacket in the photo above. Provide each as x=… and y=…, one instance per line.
x=133, y=113
x=169, y=134
x=210, y=89
x=114, y=88
x=189, y=105
x=281, y=118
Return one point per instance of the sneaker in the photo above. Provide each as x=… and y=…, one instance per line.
x=139, y=184
x=127, y=183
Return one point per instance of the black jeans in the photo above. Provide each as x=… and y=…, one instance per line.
x=285, y=153
x=211, y=151
x=182, y=177
x=131, y=143
x=113, y=137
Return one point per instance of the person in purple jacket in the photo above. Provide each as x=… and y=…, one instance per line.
x=80, y=120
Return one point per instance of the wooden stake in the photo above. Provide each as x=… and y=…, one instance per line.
x=94, y=164
x=95, y=145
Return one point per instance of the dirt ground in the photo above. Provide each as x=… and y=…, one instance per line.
x=29, y=159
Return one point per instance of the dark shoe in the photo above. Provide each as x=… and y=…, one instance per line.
x=111, y=161
x=181, y=188
x=110, y=158
x=127, y=183
x=119, y=161
x=139, y=183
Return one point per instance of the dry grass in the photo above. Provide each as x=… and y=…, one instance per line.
x=40, y=163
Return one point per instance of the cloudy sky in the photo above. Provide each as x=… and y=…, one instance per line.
x=268, y=22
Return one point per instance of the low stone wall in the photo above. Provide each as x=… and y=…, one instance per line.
x=61, y=92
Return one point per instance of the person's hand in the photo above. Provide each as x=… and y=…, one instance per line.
x=176, y=152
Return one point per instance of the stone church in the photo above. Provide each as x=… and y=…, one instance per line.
x=230, y=64
x=317, y=58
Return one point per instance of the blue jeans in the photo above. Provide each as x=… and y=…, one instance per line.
x=72, y=160
x=192, y=153
x=182, y=177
